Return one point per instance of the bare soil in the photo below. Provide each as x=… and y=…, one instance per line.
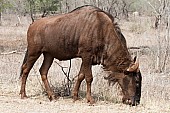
x=12, y=103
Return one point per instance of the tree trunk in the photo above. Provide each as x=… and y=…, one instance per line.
x=31, y=10
x=158, y=57
x=167, y=45
x=0, y=19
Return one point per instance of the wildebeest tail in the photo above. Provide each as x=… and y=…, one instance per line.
x=24, y=61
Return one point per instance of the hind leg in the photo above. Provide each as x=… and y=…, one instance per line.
x=48, y=59
x=31, y=59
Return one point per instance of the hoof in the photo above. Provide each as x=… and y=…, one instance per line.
x=52, y=97
x=91, y=101
x=75, y=98
x=24, y=96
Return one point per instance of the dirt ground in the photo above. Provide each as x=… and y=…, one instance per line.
x=37, y=102
x=13, y=104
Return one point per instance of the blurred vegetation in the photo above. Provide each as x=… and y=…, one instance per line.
x=42, y=6
x=118, y=8
x=4, y=5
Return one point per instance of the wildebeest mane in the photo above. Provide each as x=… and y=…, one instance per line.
x=90, y=6
x=95, y=9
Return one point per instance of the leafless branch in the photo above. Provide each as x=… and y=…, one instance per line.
x=11, y=52
x=62, y=68
x=69, y=82
x=157, y=13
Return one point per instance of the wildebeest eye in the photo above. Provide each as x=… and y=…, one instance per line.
x=126, y=72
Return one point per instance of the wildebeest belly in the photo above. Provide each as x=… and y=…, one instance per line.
x=62, y=50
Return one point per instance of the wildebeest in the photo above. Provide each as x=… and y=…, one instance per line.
x=87, y=33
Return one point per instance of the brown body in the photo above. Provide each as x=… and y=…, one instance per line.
x=86, y=32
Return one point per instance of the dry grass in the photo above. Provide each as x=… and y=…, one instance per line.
x=12, y=38
x=155, y=86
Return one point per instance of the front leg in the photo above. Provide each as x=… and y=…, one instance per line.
x=81, y=77
x=86, y=69
x=89, y=79
x=85, y=72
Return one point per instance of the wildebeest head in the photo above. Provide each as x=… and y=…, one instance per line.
x=130, y=83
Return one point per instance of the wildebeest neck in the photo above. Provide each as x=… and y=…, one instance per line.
x=117, y=57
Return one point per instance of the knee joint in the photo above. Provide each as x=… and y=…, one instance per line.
x=80, y=77
x=43, y=77
x=42, y=72
x=89, y=79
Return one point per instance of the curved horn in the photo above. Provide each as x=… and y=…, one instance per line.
x=133, y=67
